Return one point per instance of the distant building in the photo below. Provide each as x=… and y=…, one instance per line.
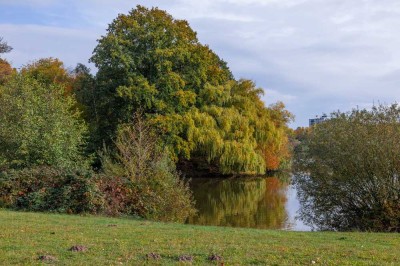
x=317, y=120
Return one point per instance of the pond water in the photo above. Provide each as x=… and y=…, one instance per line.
x=266, y=203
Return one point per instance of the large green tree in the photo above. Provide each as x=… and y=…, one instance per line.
x=149, y=60
x=153, y=62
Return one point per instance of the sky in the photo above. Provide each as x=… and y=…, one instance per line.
x=316, y=56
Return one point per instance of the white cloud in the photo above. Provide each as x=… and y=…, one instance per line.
x=341, y=18
x=272, y=96
x=31, y=42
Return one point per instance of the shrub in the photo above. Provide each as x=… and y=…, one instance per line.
x=50, y=189
x=39, y=125
x=146, y=181
x=349, y=169
x=164, y=196
x=119, y=197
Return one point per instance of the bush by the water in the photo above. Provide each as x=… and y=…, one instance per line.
x=162, y=197
x=156, y=191
x=50, y=189
x=349, y=171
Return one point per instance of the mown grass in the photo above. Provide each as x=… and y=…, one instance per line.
x=26, y=236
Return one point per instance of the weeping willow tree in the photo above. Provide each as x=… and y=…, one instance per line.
x=150, y=61
x=232, y=129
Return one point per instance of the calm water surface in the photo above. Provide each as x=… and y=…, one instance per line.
x=266, y=203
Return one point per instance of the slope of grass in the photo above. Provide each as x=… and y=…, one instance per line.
x=26, y=236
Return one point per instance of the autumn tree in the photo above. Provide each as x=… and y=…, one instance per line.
x=49, y=71
x=6, y=69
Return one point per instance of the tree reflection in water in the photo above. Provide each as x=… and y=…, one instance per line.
x=256, y=202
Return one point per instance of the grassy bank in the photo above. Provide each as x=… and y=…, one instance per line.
x=26, y=236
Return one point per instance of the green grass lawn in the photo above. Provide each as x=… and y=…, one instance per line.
x=26, y=236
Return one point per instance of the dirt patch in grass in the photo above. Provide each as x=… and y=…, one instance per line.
x=188, y=258
x=47, y=258
x=153, y=256
x=215, y=257
x=78, y=248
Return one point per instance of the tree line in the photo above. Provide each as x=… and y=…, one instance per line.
x=159, y=100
